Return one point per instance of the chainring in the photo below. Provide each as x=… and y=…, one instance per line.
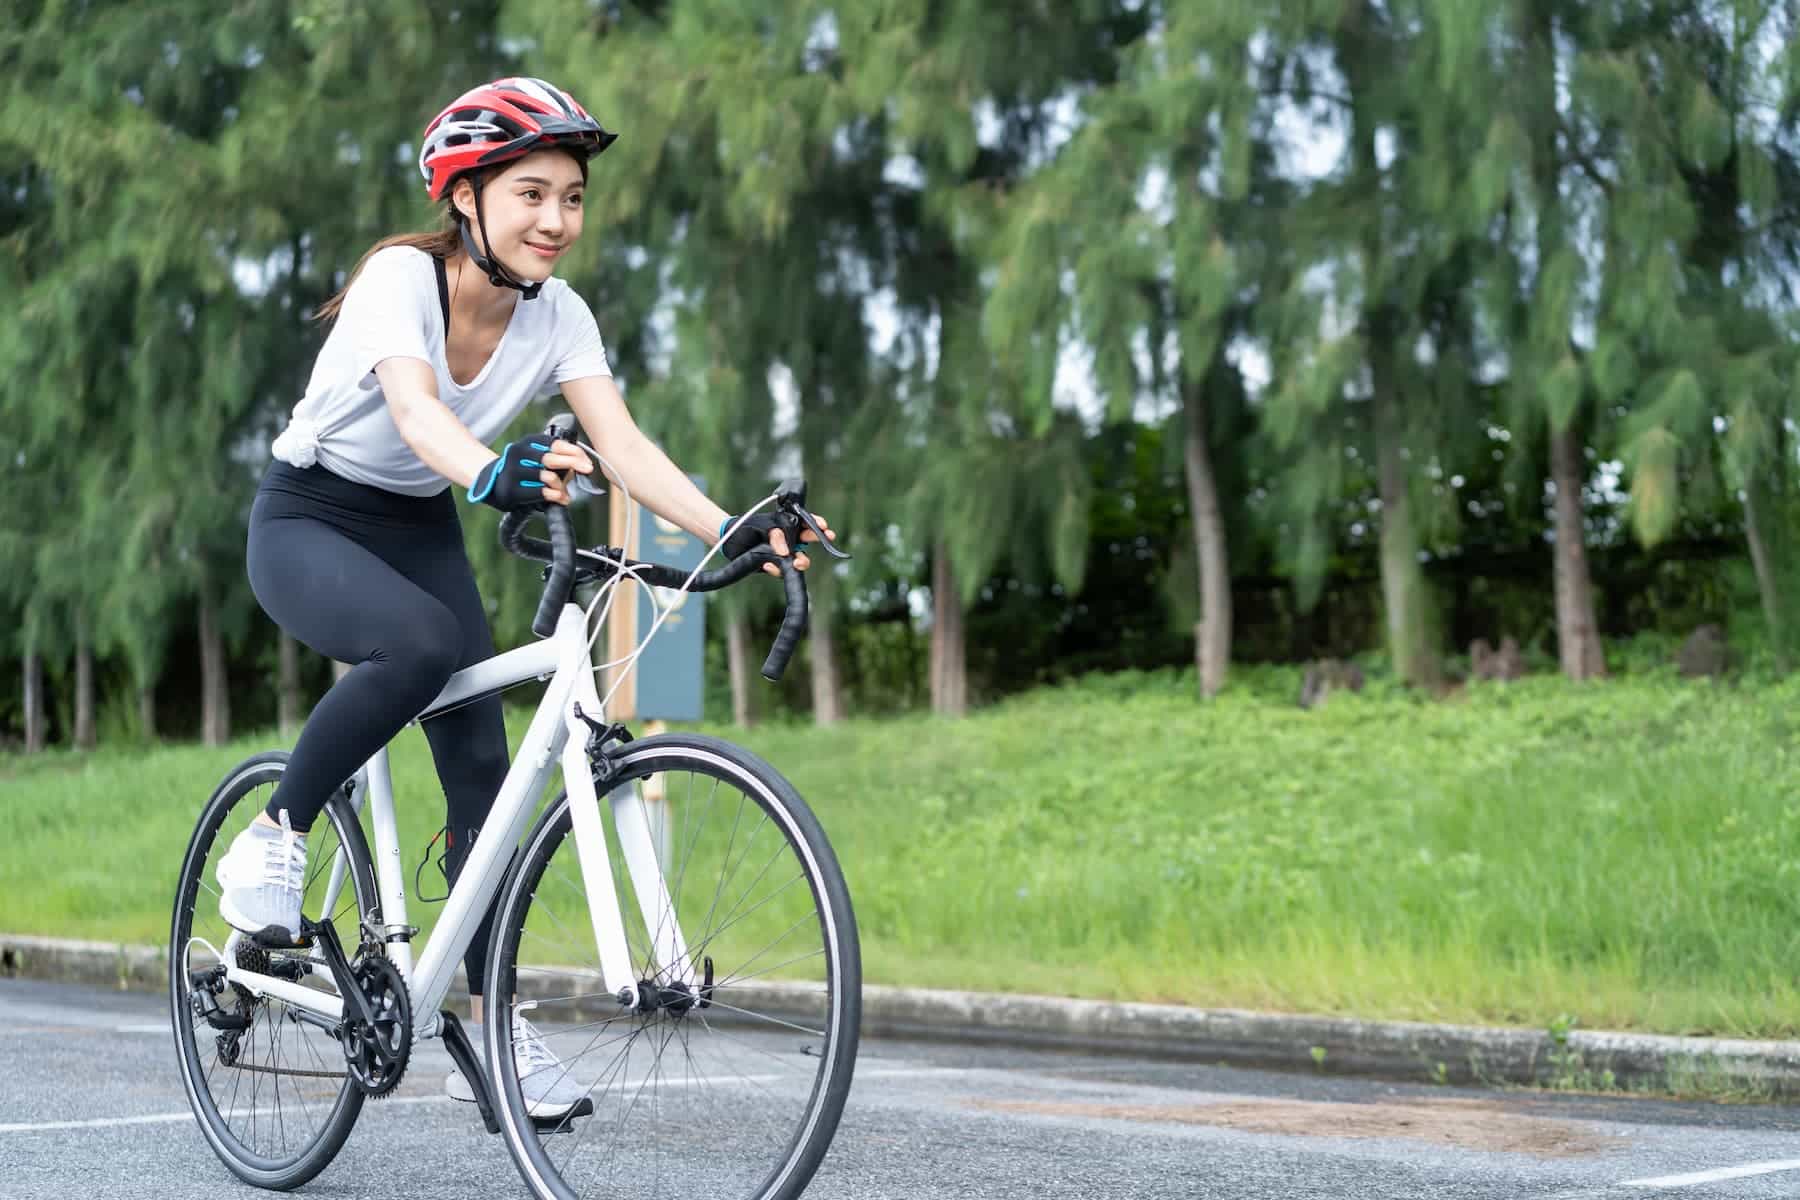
x=377, y=1053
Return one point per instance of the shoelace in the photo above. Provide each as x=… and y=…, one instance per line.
x=284, y=858
x=529, y=1050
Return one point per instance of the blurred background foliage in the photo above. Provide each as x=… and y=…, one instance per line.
x=1112, y=334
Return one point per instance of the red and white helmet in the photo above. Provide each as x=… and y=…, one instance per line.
x=504, y=120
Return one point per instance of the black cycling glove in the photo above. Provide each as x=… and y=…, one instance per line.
x=511, y=481
x=754, y=532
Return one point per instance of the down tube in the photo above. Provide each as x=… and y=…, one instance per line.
x=490, y=857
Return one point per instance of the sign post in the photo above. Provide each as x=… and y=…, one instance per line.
x=668, y=681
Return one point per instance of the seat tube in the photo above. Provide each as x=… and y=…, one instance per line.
x=358, y=788
x=390, y=876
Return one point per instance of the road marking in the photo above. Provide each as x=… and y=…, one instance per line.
x=101, y=1123
x=1748, y=1169
x=176, y=1118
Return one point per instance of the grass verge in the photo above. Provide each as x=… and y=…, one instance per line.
x=1623, y=854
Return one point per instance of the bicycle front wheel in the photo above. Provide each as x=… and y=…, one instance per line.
x=731, y=1092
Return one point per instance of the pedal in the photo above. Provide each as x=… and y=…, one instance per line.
x=565, y=1123
x=274, y=937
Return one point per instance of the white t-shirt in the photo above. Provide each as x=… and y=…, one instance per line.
x=392, y=311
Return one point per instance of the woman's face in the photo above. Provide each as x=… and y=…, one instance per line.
x=533, y=212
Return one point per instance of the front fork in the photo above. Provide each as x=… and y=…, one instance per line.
x=585, y=754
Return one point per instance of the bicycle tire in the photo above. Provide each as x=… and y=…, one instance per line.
x=721, y=1031
x=285, y=1169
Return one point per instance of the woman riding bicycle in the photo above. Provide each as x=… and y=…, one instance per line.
x=355, y=549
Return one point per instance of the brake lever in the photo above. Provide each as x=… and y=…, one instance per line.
x=563, y=427
x=823, y=541
x=790, y=497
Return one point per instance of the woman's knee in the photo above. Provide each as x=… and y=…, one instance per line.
x=423, y=650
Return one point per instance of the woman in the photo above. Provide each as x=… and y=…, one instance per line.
x=439, y=342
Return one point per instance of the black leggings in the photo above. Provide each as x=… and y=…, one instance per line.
x=380, y=581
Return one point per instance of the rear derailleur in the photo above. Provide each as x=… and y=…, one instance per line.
x=230, y=1007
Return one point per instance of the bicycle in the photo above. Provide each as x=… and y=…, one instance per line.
x=739, y=962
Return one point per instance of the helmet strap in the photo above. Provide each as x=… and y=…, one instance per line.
x=493, y=268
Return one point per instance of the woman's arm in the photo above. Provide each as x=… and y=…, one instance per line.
x=427, y=424
x=445, y=444
x=647, y=473
x=645, y=470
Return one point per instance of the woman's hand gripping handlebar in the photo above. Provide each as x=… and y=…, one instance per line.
x=570, y=566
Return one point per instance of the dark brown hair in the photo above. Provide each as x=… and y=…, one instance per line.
x=442, y=244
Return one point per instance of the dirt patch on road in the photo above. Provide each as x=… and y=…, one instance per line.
x=1465, y=1124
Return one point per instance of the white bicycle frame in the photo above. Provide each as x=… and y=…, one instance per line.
x=555, y=737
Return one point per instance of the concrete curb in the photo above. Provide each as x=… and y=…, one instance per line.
x=1335, y=1045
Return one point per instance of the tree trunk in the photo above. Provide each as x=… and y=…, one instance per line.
x=1577, y=632
x=827, y=680
x=1763, y=560
x=1212, y=634
x=949, y=658
x=1402, y=582
x=215, y=697
x=147, y=712
x=737, y=665
x=287, y=687
x=84, y=687
x=34, y=702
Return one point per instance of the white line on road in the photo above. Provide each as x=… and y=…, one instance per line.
x=1748, y=1169
x=174, y=1118
x=629, y=1084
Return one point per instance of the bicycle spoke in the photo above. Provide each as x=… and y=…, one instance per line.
x=625, y=1114
x=718, y=1003
x=275, y=1061
x=736, y=977
x=616, y=1066
x=751, y=1047
x=773, y=1099
x=713, y=936
x=732, y=842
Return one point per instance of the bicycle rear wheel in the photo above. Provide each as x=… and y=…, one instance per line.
x=269, y=1090
x=732, y=1093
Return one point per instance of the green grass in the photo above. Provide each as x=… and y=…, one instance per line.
x=1626, y=854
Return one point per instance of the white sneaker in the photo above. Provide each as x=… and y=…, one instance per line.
x=260, y=879
x=550, y=1091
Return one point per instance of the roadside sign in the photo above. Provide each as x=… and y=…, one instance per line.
x=668, y=682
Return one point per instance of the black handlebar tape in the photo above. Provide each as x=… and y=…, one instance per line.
x=560, y=553
x=562, y=571
x=793, y=622
x=512, y=536
x=659, y=575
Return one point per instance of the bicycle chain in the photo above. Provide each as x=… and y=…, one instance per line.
x=244, y=1066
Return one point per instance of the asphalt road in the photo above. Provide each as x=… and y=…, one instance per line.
x=90, y=1106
